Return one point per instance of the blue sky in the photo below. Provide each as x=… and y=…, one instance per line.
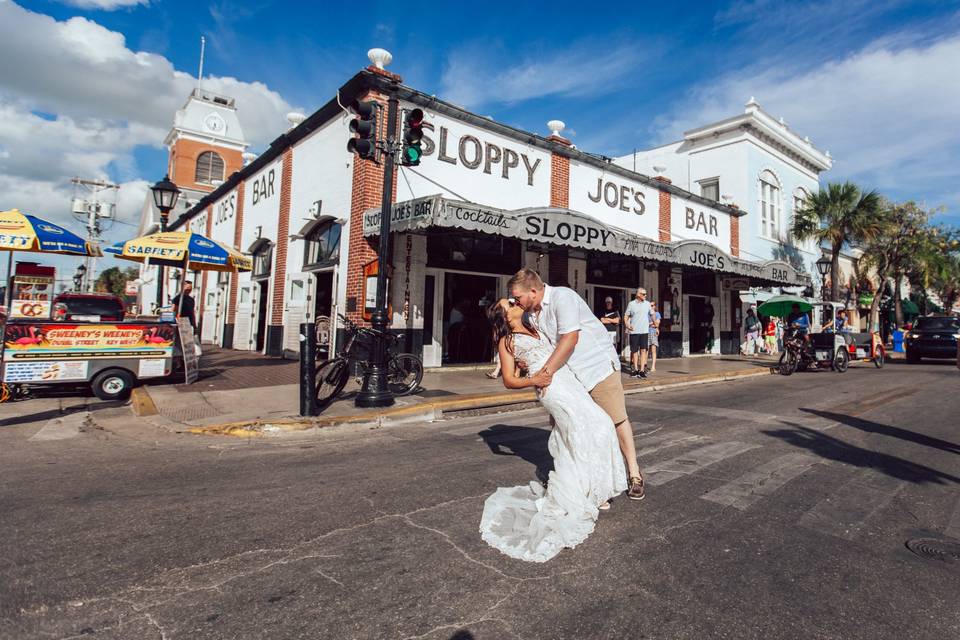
x=873, y=82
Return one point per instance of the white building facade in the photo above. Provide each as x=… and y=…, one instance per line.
x=486, y=200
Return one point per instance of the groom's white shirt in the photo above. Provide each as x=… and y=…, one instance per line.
x=562, y=311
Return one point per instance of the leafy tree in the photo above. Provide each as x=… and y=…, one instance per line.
x=840, y=214
x=900, y=235
x=114, y=280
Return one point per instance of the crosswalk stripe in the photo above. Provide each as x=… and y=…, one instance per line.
x=656, y=442
x=693, y=461
x=762, y=481
x=844, y=513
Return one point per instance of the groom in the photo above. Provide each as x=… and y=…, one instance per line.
x=581, y=342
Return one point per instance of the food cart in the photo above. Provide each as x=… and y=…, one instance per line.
x=109, y=358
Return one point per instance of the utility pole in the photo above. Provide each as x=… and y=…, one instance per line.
x=89, y=206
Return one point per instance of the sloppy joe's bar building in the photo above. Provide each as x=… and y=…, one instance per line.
x=486, y=200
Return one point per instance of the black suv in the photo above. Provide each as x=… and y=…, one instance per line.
x=932, y=337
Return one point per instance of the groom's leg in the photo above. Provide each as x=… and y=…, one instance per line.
x=609, y=395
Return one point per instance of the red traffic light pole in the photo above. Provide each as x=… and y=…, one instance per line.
x=375, y=391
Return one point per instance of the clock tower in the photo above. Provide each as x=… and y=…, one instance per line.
x=206, y=143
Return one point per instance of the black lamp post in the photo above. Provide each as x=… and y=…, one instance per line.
x=165, y=195
x=823, y=266
x=375, y=392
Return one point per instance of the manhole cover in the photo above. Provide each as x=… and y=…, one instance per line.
x=933, y=549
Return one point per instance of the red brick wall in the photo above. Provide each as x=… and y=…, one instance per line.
x=283, y=241
x=664, y=224
x=367, y=194
x=735, y=236
x=237, y=236
x=183, y=162
x=559, y=181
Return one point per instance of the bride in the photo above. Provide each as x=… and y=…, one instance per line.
x=529, y=522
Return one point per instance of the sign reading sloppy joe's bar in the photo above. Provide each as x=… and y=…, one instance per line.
x=570, y=229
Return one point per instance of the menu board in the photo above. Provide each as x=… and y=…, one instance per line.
x=191, y=362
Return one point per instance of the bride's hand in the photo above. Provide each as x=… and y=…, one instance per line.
x=542, y=378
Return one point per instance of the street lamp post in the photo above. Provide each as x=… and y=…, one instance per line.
x=375, y=391
x=165, y=195
x=823, y=266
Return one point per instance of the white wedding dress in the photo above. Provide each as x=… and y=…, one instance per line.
x=533, y=524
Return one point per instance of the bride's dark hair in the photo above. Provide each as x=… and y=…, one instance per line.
x=501, y=326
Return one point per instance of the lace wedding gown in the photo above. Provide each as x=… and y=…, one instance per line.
x=533, y=524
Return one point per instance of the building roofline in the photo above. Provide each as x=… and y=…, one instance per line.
x=366, y=80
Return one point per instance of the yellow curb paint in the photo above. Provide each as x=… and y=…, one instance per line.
x=141, y=403
x=254, y=428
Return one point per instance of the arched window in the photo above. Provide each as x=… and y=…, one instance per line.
x=769, y=205
x=209, y=168
x=323, y=245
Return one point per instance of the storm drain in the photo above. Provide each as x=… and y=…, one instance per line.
x=934, y=549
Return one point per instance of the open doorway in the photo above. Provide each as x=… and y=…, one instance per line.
x=323, y=309
x=701, y=324
x=466, y=331
x=600, y=310
x=262, y=297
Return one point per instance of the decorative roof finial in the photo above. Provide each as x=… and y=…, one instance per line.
x=379, y=57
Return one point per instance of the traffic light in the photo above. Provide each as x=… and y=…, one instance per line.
x=365, y=126
x=412, y=138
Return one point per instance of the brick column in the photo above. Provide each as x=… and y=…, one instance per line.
x=367, y=193
x=559, y=176
x=735, y=236
x=237, y=238
x=663, y=225
x=274, y=341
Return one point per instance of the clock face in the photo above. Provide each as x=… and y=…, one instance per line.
x=214, y=123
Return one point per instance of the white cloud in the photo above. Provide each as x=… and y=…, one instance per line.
x=887, y=113
x=105, y=5
x=80, y=103
x=473, y=76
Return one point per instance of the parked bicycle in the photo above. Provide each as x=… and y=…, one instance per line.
x=404, y=370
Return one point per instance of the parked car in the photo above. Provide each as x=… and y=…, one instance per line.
x=88, y=307
x=932, y=337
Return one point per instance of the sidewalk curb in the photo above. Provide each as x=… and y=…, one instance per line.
x=433, y=410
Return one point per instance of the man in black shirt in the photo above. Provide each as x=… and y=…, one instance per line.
x=610, y=317
x=189, y=306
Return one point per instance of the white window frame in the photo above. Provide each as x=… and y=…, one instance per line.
x=800, y=196
x=771, y=206
x=707, y=183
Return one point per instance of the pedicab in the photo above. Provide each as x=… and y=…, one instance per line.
x=801, y=348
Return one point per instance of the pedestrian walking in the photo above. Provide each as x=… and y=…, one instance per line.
x=637, y=320
x=654, y=341
x=771, y=336
x=752, y=326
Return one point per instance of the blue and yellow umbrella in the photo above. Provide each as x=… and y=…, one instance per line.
x=183, y=249
x=23, y=232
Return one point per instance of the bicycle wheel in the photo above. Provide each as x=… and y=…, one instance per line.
x=788, y=363
x=332, y=377
x=878, y=360
x=404, y=373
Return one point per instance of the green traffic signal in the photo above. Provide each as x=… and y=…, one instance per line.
x=412, y=138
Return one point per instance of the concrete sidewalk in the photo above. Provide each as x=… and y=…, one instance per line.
x=212, y=408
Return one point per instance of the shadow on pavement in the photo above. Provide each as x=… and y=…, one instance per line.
x=887, y=430
x=834, y=449
x=52, y=414
x=525, y=442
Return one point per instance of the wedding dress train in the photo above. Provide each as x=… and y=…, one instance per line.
x=531, y=523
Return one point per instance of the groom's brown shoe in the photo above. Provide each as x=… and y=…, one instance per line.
x=635, y=488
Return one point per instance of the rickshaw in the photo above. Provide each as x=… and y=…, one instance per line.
x=803, y=349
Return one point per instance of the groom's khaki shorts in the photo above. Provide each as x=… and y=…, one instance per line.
x=609, y=395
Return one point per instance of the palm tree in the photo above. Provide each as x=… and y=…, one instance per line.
x=840, y=214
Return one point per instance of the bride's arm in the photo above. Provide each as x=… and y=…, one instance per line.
x=508, y=367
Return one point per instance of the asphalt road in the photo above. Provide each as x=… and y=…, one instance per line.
x=777, y=508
